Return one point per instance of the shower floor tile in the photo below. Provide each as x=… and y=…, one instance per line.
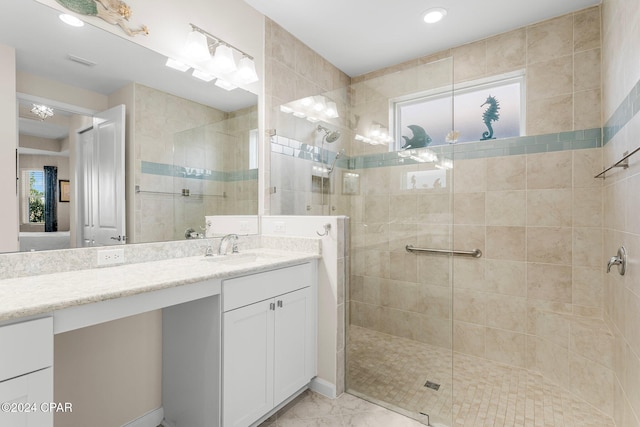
x=394, y=370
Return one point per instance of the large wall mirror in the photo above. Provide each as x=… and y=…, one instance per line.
x=190, y=147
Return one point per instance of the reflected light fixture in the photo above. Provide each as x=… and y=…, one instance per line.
x=203, y=76
x=433, y=15
x=42, y=111
x=197, y=46
x=71, y=20
x=176, y=65
x=225, y=84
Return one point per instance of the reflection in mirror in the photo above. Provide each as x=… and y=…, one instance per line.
x=181, y=133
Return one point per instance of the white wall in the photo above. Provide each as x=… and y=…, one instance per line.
x=8, y=144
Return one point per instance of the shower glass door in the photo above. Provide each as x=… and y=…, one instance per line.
x=399, y=319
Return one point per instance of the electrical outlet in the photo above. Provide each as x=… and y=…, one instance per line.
x=279, y=227
x=110, y=256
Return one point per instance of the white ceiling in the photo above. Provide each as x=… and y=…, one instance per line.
x=359, y=36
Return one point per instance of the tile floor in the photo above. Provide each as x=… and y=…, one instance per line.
x=482, y=393
x=312, y=409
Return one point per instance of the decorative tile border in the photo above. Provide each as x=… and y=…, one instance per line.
x=164, y=169
x=574, y=140
x=627, y=109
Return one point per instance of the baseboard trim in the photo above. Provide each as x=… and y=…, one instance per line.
x=323, y=387
x=150, y=419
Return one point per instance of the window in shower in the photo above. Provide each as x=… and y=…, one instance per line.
x=424, y=119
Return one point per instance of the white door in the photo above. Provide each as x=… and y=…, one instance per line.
x=247, y=364
x=18, y=396
x=101, y=183
x=293, y=360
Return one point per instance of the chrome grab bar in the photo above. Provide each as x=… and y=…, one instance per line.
x=476, y=253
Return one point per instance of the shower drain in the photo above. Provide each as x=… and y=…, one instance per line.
x=432, y=385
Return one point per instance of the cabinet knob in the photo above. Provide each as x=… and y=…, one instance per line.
x=280, y=303
x=272, y=306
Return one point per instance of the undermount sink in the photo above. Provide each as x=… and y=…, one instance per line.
x=240, y=258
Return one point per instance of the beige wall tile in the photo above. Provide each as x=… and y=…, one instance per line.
x=469, y=338
x=470, y=175
x=549, y=282
x=401, y=235
x=549, y=359
x=506, y=277
x=435, y=208
x=553, y=327
x=587, y=207
x=434, y=301
x=549, y=170
x=505, y=347
x=403, y=266
x=550, y=78
x=586, y=108
x=550, y=115
x=434, y=270
x=586, y=69
x=435, y=331
x=469, y=208
x=549, y=208
x=506, y=243
x=588, y=290
x=376, y=209
x=506, y=312
x=507, y=52
x=405, y=208
x=506, y=208
x=550, y=39
x=586, y=29
x=551, y=245
x=592, y=382
x=506, y=173
x=587, y=247
x=469, y=306
x=470, y=61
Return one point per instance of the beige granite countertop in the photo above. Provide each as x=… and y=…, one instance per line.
x=33, y=295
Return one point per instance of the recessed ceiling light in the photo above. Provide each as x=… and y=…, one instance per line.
x=434, y=15
x=71, y=20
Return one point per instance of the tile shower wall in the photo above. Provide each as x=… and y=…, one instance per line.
x=294, y=71
x=621, y=104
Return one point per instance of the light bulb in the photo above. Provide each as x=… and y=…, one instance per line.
x=197, y=47
x=247, y=71
x=222, y=61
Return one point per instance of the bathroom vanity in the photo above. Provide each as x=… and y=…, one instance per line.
x=239, y=333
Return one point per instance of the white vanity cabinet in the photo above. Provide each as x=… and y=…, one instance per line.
x=26, y=374
x=268, y=341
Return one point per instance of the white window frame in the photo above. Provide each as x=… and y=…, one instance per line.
x=24, y=194
x=459, y=89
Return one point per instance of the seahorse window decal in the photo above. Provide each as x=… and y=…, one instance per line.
x=490, y=115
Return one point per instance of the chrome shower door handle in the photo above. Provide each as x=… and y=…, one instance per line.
x=620, y=260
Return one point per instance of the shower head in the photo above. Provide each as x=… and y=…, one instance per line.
x=329, y=135
x=335, y=159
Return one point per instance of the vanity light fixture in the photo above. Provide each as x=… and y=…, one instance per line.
x=176, y=65
x=71, y=20
x=225, y=84
x=203, y=76
x=42, y=111
x=433, y=15
x=223, y=61
x=197, y=46
x=222, y=65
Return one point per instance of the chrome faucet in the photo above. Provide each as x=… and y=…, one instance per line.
x=222, y=249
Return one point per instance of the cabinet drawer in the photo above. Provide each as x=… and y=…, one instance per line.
x=246, y=290
x=26, y=347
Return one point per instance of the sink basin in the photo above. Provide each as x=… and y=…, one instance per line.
x=240, y=258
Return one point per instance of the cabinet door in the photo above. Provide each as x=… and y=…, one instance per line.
x=294, y=343
x=247, y=363
x=27, y=394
